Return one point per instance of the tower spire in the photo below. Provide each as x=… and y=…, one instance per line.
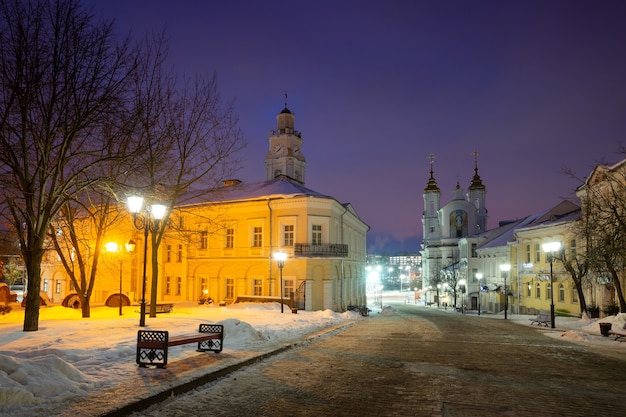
x=431, y=186
x=477, y=182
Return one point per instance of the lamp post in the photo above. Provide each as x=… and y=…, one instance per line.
x=113, y=247
x=505, y=268
x=551, y=248
x=479, y=276
x=280, y=258
x=142, y=220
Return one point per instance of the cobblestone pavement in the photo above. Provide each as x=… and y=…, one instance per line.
x=420, y=362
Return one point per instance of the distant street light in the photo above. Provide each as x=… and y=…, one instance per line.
x=505, y=268
x=551, y=248
x=145, y=219
x=280, y=257
x=479, y=276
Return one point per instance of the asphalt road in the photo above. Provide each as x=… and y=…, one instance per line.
x=420, y=362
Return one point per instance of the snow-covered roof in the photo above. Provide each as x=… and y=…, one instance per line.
x=280, y=187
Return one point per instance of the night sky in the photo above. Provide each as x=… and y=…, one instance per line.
x=536, y=87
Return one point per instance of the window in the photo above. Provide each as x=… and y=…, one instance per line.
x=181, y=223
x=204, y=240
x=288, y=235
x=288, y=288
x=574, y=295
x=549, y=292
x=257, y=287
x=230, y=238
x=179, y=285
x=230, y=288
x=168, y=285
x=204, y=286
x=538, y=291
x=179, y=254
x=257, y=237
x=527, y=254
x=168, y=254
x=572, y=246
x=58, y=287
x=45, y=285
x=529, y=290
x=474, y=254
x=316, y=234
x=537, y=253
x=561, y=293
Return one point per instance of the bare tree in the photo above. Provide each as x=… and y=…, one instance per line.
x=576, y=263
x=63, y=75
x=188, y=139
x=603, y=201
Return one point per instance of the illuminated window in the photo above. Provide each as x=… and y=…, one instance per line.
x=537, y=253
x=316, y=234
x=257, y=237
x=204, y=240
x=58, y=287
x=288, y=235
x=288, y=288
x=257, y=287
x=538, y=291
x=230, y=288
x=230, y=238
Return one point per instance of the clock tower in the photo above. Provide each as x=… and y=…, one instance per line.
x=285, y=153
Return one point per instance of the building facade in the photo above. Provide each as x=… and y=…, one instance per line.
x=221, y=243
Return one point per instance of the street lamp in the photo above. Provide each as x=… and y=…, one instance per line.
x=280, y=258
x=505, y=268
x=113, y=247
x=551, y=248
x=142, y=220
x=479, y=276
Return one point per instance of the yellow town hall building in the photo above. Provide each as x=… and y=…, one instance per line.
x=224, y=248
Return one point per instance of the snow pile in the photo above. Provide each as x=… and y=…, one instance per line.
x=70, y=359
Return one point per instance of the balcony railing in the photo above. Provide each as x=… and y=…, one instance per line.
x=324, y=250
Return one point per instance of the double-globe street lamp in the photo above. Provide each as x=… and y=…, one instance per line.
x=551, y=248
x=280, y=257
x=146, y=219
x=113, y=247
x=505, y=268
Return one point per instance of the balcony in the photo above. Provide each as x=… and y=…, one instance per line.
x=324, y=250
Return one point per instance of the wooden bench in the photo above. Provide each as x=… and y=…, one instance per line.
x=160, y=308
x=542, y=319
x=619, y=333
x=152, y=345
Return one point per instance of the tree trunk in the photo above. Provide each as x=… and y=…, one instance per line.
x=31, y=313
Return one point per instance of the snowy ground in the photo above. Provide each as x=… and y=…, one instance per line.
x=87, y=366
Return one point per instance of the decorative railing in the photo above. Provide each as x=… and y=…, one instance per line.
x=324, y=250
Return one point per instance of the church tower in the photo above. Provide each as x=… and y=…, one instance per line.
x=477, y=194
x=285, y=150
x=432, y=200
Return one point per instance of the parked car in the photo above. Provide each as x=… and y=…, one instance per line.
x=19, y=290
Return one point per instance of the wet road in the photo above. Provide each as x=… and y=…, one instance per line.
x=420, y=362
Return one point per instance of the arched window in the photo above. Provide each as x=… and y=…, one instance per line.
x=549, y=292
x=561, y=293
x=538, y=290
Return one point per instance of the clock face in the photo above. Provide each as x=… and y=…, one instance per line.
x=296, y=150
x=278, y=148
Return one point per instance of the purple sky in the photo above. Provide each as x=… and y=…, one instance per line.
x=535, y=86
